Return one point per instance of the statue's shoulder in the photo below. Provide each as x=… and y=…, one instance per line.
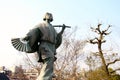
x=40, y=25
x=37, y=25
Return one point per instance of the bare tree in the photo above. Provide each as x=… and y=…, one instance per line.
x=91, y=62
x=69, y=55
x=99, y=41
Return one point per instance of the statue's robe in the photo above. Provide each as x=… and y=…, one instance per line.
x=44, y=40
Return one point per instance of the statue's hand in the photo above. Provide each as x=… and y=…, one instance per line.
x=26, y=38
x=64, y=26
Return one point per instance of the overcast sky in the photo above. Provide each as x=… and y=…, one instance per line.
x=18, y=16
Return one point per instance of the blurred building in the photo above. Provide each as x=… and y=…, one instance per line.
x=26, y=74
x=32, y=74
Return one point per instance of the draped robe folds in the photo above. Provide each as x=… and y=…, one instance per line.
x=38, y=40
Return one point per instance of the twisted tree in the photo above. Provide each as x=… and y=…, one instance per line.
x=99, y=41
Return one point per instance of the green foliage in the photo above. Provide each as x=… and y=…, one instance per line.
x=111, y=70
x=115, y=77
x=99, y=74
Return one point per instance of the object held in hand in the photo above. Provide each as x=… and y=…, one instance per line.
x=61, y=26
x=29, y=43
x=20, y=45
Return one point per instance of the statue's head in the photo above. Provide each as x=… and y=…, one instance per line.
x=48, y=16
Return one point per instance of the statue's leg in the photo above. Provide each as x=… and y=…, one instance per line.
x=47, y=69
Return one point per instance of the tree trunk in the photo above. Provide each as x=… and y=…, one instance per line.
x=102, y=58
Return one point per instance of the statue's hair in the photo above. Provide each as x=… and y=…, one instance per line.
x=48, y=16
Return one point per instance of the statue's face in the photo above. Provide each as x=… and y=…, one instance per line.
x=48, y=20
x=48, y=17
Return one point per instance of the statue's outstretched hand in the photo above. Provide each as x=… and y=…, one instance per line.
x=26, y=38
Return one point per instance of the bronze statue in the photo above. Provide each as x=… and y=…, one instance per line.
x=44, y=40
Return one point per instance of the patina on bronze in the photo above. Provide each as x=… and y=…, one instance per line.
x=44, y=40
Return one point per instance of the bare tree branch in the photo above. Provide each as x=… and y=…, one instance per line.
x=114, y=70
x=103, y=41
x=93, y=41
x=94, y=30
x=107, y=28
x=96, y=54
x=113, y=62
x=99, y=28
x=105, y=31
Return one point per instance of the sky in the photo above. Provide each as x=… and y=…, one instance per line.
x=17, y=17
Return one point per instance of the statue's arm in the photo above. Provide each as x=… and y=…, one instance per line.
x=34, y=32
x=26, y=38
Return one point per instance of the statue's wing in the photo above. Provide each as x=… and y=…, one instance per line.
x=20, y=45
